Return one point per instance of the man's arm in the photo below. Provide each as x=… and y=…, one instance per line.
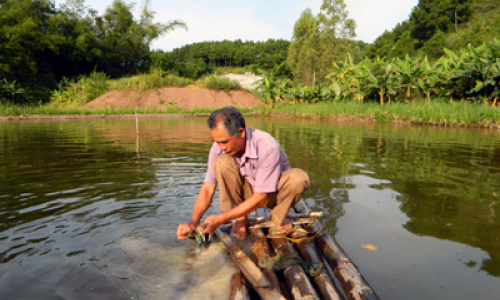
x=249, y=205
x=201, y=205
x=255, y=201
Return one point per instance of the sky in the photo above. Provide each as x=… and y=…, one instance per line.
x=258, y=20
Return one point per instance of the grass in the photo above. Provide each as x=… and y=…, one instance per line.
x=435, y=112
x=16, y=110
x=34, y=110
x=213, y=82
x=153, y=80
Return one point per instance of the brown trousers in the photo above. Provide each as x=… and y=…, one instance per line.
x=234, y=189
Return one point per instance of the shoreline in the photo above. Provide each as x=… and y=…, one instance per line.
x=99, y=116
x=343, y=118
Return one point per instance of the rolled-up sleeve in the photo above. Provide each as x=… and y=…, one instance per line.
x=212, y=156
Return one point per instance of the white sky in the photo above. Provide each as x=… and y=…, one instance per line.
x=258, y=20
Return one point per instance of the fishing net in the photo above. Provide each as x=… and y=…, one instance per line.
x=203, y=240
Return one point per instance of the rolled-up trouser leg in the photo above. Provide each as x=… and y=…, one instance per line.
x=291, y=186
x=233, y=189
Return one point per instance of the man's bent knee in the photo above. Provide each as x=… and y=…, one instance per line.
x=298, y=179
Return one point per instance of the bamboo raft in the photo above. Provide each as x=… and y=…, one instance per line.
x=293, y=282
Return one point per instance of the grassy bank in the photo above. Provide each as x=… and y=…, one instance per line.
x=435, y=112
x=7, y=110
x=15, y=110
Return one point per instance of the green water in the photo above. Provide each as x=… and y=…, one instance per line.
x=88, y=209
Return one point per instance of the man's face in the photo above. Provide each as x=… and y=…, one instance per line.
x=230, y=144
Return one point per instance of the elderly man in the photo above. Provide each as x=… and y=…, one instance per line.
x=252, y=171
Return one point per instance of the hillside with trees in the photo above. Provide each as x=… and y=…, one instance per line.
x=435, y=25
x=197, y=59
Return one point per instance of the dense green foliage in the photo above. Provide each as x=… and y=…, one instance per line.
x=41, y=44
x=435, y=25
x=473, y=75
x=198, y=59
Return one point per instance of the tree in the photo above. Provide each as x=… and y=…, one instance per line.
x=27, y=39
x=430, y=16
x=40, y=45
x=335, y=28
x=319, y=41
x=125, y=42
x=304, y=48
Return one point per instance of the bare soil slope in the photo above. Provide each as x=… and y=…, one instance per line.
x=188, y=97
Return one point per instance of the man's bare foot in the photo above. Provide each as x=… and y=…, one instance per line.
x=285, y=227
x=239, y=228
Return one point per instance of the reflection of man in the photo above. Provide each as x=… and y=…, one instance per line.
x=252, y=171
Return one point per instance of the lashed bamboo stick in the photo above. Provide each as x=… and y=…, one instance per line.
x=354, y=285
x=295, y=277
x=310, y=253
x=251, y=271
x=290, y=215
x=263, y=251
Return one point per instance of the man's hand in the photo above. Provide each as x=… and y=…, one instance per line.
x=210, y=224
x=184, y=229
x=239, y=228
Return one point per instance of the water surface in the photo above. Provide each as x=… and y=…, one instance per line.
x=89, y=209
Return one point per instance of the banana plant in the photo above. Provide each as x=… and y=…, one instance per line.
x=380, y=75
x=273, y=88
x=484, y=68
x=448, y=79
x=428, y=82
x=11, y=91
x=342, y=80
x=408, y=72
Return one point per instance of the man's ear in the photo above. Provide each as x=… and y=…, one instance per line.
x=242, y=132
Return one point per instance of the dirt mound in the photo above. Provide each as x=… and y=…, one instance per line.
x=188, y=97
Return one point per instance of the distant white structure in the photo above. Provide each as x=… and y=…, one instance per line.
x=248, y=80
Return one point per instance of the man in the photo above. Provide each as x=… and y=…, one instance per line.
x=252, y=171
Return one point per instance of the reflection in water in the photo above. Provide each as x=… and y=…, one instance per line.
x=429, y=267
x=88, y=209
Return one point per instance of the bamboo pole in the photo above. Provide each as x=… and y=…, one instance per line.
x=251, y=271
x=137, y=135
x=263, y=223
x=263, y=251
x=290, y=215
x=239, y=290
x=354, y=285
x=295, y=277
x=310, y=253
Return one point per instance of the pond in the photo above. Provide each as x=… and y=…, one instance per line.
x=89, y=208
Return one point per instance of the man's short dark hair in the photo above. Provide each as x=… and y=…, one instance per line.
x=229, y=116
